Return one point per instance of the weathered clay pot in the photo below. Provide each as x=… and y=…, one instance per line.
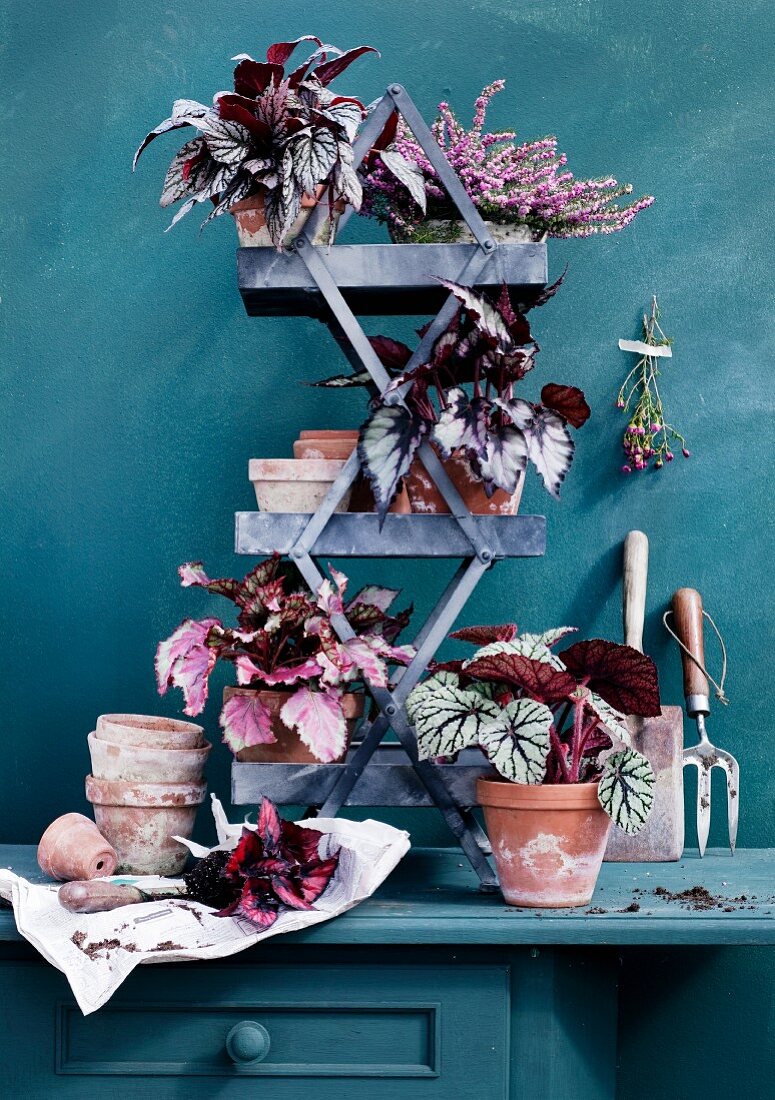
x=250, y=218
x=295, y=485
x=148, y=731
x=110, y=760
x=289, y=748
x=456, y=231
x=548, y=840
x=339, y=444
x=140, y=819
x=425, y=497
x=72, y=847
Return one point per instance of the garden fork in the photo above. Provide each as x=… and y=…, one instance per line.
x=688, y=615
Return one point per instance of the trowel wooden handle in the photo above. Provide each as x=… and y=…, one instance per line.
x=687, y=615
x=97, y=897
x=634, y=579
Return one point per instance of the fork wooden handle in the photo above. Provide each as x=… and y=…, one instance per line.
x=687, y=612
x=634, y=578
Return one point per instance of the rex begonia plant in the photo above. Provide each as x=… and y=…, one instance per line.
x=284, y=639
x=277, y=134
x=510, y=183
x=488, y=346
x=542, y=717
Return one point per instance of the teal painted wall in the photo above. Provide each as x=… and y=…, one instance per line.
x=135, y=388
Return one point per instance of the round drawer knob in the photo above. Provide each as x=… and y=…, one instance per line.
x=247, y=1043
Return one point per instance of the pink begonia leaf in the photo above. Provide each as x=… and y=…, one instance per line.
x=248, y=671
x=319, y=720
x=330, y=600
x=191, y=673
x=190, y=633
x=367, y=660
x=399, y=654
x=246, y=721
x=374, y=595
x=484, y=635
x=621, y=675
x=192, y=575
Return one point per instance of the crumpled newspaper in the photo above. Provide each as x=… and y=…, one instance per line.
x=96, y=951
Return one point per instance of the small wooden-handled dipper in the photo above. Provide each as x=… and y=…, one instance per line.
x=204, y=883
x=687, y=615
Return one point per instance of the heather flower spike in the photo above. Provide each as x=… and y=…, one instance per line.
x=648, y=437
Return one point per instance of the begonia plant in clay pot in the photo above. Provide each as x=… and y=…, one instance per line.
x=463, y=401
x=293, y=671
x=553, y=727
x=272, y=149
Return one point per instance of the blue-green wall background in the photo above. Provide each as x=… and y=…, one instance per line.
x=135, y=388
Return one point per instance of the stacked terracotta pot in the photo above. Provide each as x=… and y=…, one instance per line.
x=300, y=484
x=146, y=784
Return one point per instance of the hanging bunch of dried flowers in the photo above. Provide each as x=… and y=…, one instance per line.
x=648, y=438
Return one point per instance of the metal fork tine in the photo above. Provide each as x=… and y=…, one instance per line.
x=730, y=766
x=703, y=806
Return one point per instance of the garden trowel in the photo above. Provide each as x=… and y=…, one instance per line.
x=660, y=739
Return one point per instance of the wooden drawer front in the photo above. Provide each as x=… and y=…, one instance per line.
x=382, y=1032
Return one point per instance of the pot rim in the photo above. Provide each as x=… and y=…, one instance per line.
x=328, y=433
x=153, y=723
x=135, y=750
x=353, y=701
x=501, y=793
x=295, y=469
x=126, y=792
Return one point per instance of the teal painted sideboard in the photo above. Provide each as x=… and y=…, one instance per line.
x=430, y=990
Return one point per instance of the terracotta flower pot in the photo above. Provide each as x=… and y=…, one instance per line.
x=72, y=847
x=250, y=217
x=148, y=731
x=140, y=820
x=339, y=444
x=111, y=760
x=425, y=497
x=289, y=747
x=548, y=840
x=295, y=485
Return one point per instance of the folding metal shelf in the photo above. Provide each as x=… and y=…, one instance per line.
x=334, y=284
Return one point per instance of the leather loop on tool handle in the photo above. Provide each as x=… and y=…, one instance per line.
x=687, y=613
x=634, y=581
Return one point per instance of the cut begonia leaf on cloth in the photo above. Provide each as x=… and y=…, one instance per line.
x=517, y=741
x=387, y=445
x=538, y=678
x=319, y=720
x=449, y=718
x=245, y=721
x=624, y=677
x=626, y=789
x=483, y=635
x=550, y=448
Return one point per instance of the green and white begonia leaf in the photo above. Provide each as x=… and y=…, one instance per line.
x=626, y=789
x=429, y=685
x=551, y=637
x=517, y=742
x=527, y=645
x=447, y=717
x=614, y=722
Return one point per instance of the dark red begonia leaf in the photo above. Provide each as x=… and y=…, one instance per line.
x=537, y=678
x=279, y=52
x=624, y=677
x=251, y=78
x=299, y=843
x=248, y=852
x=315, y=876
x=392, y=354
x=258, y=904
x=289, y=892
x=549, y=292
x=446, y=666
x=483, y=635
x=236, y=108
x=269, y=827
x=329, y=70
x=568, y=401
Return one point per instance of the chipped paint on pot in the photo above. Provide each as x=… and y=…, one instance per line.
x=548, y=840
x=289, y=747
x=112, y=760
x=72, y=847
x=295, y=485
x=250, y=218
x=148, y=731
x=141, y=819
x=426, y=498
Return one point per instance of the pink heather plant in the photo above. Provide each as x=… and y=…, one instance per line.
x=647, y=437
x=525, y=184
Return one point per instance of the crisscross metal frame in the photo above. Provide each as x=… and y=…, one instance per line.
x=391, y=703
